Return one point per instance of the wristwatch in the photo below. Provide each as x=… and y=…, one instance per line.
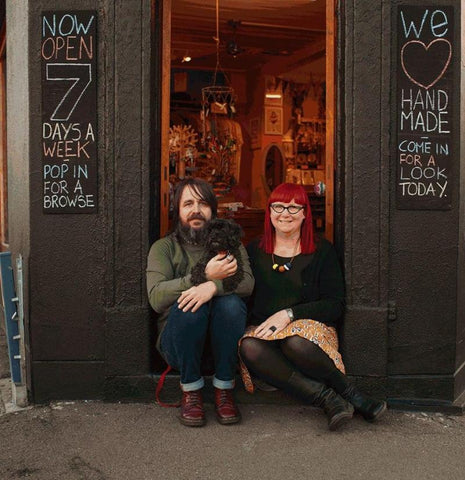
x=290, y=314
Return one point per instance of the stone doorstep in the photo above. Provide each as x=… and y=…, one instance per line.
x=427, y=405
x=142, y=389
x=171, y=393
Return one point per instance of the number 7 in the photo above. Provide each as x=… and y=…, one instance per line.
x=81, y=73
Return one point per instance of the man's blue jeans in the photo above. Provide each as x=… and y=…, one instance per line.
x=183, y=340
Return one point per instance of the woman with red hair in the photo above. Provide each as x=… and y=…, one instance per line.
x=297, y=303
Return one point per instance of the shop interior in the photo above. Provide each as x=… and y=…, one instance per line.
x=249, y=106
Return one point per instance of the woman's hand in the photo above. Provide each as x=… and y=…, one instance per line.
x=220, y=267
x=280, y=320
x=193, y=298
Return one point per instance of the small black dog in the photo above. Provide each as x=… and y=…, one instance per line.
x=223, y=236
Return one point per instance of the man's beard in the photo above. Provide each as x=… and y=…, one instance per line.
x=191, y=236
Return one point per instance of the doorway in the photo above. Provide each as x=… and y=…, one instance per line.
x=272, y=70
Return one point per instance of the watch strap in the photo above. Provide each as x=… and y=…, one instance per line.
x=290, y=314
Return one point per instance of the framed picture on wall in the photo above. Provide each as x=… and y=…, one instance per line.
x=273, y=120
x=255, y=133
x=273, y=91
x=308, y=177
x=294, y=175
x=273, y=101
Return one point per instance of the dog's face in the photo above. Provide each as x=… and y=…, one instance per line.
x=223, y=235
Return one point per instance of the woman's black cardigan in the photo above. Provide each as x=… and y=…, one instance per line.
x=322, y=296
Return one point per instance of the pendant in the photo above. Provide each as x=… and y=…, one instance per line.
x=282, y=268
x=286, y=266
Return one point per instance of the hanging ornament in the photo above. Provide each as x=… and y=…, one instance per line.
x=217, y=99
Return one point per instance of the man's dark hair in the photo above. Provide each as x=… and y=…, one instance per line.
x=201, y=188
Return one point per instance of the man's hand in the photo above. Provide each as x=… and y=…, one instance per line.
x=277, y=322
x=220, y=267
x=195, y=297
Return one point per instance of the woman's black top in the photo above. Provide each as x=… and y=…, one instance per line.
x=313, y=287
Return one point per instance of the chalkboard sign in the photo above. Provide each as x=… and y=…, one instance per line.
x=69, y=112
x=425, y=58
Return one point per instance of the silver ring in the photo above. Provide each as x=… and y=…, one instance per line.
x=272, y=328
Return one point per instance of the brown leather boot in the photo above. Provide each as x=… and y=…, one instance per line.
x=192, y=412
x=226, y=409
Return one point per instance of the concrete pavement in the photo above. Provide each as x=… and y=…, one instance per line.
x=99, y=441
x=114, y=441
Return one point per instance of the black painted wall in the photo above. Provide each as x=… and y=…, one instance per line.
x=88, y=315
x=403, y=258
x=90, y=327
x=365, y=33
x=424, y=358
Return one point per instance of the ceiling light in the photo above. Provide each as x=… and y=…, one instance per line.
x=233, y=48
x=187, y=58
x=273, y=95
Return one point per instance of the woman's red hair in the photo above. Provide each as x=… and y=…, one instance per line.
x=285, y=192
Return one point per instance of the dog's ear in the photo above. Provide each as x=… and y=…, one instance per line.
x=237, y=229
x=215, y=225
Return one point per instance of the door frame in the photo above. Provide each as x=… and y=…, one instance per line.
x=331, y=112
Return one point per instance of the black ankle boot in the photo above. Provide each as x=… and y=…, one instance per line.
x=370, y=408
x=315, y=393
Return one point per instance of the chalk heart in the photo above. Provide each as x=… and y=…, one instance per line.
x=425, y=64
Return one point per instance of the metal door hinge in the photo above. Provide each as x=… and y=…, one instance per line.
x=392, y=311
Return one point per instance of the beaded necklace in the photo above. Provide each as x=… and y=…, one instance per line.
x=286, y=266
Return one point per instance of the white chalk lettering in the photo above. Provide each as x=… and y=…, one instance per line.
x=56, y=187
x=66, y=149
x=61, y=131
x=427, y=123
x=80, y=171
x=412, y=27
x=414, y=189
x=78, y=188
x=420, y=173
x=62, y=201
x=436, y=26
x=67, y=25
x=55, y=171
x=414, y=146
x=90, y=133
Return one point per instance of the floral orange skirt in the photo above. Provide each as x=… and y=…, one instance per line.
x=319, y=333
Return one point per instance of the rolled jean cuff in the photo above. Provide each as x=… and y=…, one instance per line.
x=190, y=387
x=223, y=384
